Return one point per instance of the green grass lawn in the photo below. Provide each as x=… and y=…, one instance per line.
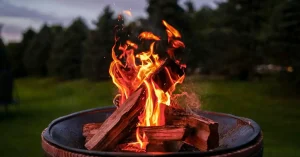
x=43, y=100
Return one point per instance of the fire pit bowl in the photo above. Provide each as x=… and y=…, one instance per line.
x=238, y=136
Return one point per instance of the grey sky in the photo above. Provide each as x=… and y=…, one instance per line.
x=18, y=15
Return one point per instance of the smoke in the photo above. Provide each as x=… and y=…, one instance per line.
x=187, y=96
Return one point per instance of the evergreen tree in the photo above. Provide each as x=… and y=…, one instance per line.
x=16, y=53
x=98, y=47
x=4, y=64
x=37, y=53
x=244, y=20
x=168, y=10
x=190, y=7
x=201, y=26
x=6, y=78
x=67, y=51
x=285, y=39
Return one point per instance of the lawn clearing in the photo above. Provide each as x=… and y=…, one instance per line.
x=43, y=100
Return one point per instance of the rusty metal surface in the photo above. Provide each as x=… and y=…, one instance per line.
x=236, y=134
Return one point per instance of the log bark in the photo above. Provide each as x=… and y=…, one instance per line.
x=204, y=134
x=164, y=133
x=89, y=130
x=119, y=125
x=173, y=146
x=156, y=147
x=129, y=147
x=193, y=129
x=203, y=131
x=161, y=138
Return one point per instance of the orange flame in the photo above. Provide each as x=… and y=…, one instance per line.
x=128, y=76
x=171, y=31
x=127, y=12
x=149, y=36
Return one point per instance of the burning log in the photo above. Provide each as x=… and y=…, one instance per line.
x=144, y=92
x=168, y=137
x=156, y=147
x=129, y=147
x=167, y=146
x=164, y=133
x=203, y=131
x=173, y=146
x=193, y=129
x=89, y=130
x=204, y=134
x=119, y=125
x=183, y=127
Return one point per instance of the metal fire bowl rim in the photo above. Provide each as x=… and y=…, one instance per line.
x=47, y=136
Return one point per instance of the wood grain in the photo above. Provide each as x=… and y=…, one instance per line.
x=119, y=124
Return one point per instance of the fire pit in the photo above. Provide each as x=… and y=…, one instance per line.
x=238, y=136
x=149, y=119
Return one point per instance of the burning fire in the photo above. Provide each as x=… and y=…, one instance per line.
x=127, y=12
x=127, y=75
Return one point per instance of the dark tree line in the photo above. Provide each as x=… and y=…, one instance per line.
x=232, y=40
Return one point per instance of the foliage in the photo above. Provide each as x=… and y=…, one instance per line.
x=244, y=21
x=97, y=56
x=6, y=80
x=16, y=53
x=231, y=40
x=67, y=51
x=37, y=53
x=4, y=64
x=285, y=39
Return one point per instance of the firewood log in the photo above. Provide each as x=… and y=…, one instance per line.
x=203, y=131
x=120, y=124
x=164, y=133
x=89, y=130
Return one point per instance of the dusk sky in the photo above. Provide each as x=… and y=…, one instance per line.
x=18, y=15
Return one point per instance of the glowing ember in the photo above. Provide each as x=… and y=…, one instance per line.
x=127, y=75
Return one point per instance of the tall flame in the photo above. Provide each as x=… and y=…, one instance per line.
x=129, y=76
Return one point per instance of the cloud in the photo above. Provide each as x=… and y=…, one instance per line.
x=97, y=5
x=21, y=23
x=9, y=10
x=136, y=6
x=10, y=37
x=11, y=33
x=18, y=15
x=14, y=26
x=60, y=9
x=17, y=18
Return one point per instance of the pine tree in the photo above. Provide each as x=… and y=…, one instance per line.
x=244, y=20
x=285, y=40
x=16, y=53
x=168, y=10
x=201, y=23
x=3, y=57
x=98, y=47
x=67, y=51
x=37, y=53
x=6, y=78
